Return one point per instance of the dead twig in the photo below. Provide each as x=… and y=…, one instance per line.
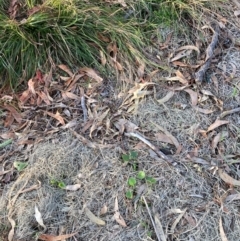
x=228, y=112
x=209, y=54
x=159, y=153
x=83, y=105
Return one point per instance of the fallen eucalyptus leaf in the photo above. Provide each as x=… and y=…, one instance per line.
x=228, y=179
x=38, y=217
x=93, y=218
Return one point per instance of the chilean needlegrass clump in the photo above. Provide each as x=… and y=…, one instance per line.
x=37, y=33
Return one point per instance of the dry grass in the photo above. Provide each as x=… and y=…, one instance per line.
x=103, y=177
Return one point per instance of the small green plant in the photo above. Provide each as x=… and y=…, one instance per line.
x=141, y=175
x=56, y=183
x=150, y=180
x=131, y=158
x=132, y=155
x=129, y=194
x=20, y=165
x=132, y=182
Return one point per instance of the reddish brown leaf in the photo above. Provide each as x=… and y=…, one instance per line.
x=57, y=116
x=17, y=116
x=13, y=8
x=9, y=120
x=193, y=95
x=25, y=96
x=47, y=237
x=44, y=97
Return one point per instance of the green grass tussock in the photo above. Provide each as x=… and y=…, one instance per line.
x=35, y=33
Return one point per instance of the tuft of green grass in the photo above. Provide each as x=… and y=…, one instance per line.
x=42, y=32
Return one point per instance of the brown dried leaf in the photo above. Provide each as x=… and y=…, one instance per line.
x=189, y=47
x=181, y=64
x=123, y=124
x=190, y=220
x=228, y=179
x=193, y=95
x=70, y=95
x=17, y=116
x=181, y=54
x=57, y=116
x=104, y=210
x=217, y=138
x=171, y=137
x=31, y=87
x=44, y=97
x=222, y=233
x=48, y=237
x=181, y=77
x=66, y=69
x=166, y=98
x=119, y=219
x=8, y=135
x=163, y=138
x=91, y=73
x=140, y=70
x=204, y=111
x=9, y=120
x=177, y=220
x=93, y=218
x=74, y=187
x=216, y=124
x=13, y=8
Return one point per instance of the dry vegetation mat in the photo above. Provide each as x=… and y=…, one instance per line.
x=142, y=155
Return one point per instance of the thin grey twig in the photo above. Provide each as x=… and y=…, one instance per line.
x=83, y=105
x=228, y=112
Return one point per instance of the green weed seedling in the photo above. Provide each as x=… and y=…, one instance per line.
x=20, y=165
x=131, y=158
x=132, y=182
x=56, y=183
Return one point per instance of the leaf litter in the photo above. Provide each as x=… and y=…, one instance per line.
x=59, y=104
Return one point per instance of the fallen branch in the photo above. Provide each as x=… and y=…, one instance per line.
x=159, y=153
x=209, y=54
